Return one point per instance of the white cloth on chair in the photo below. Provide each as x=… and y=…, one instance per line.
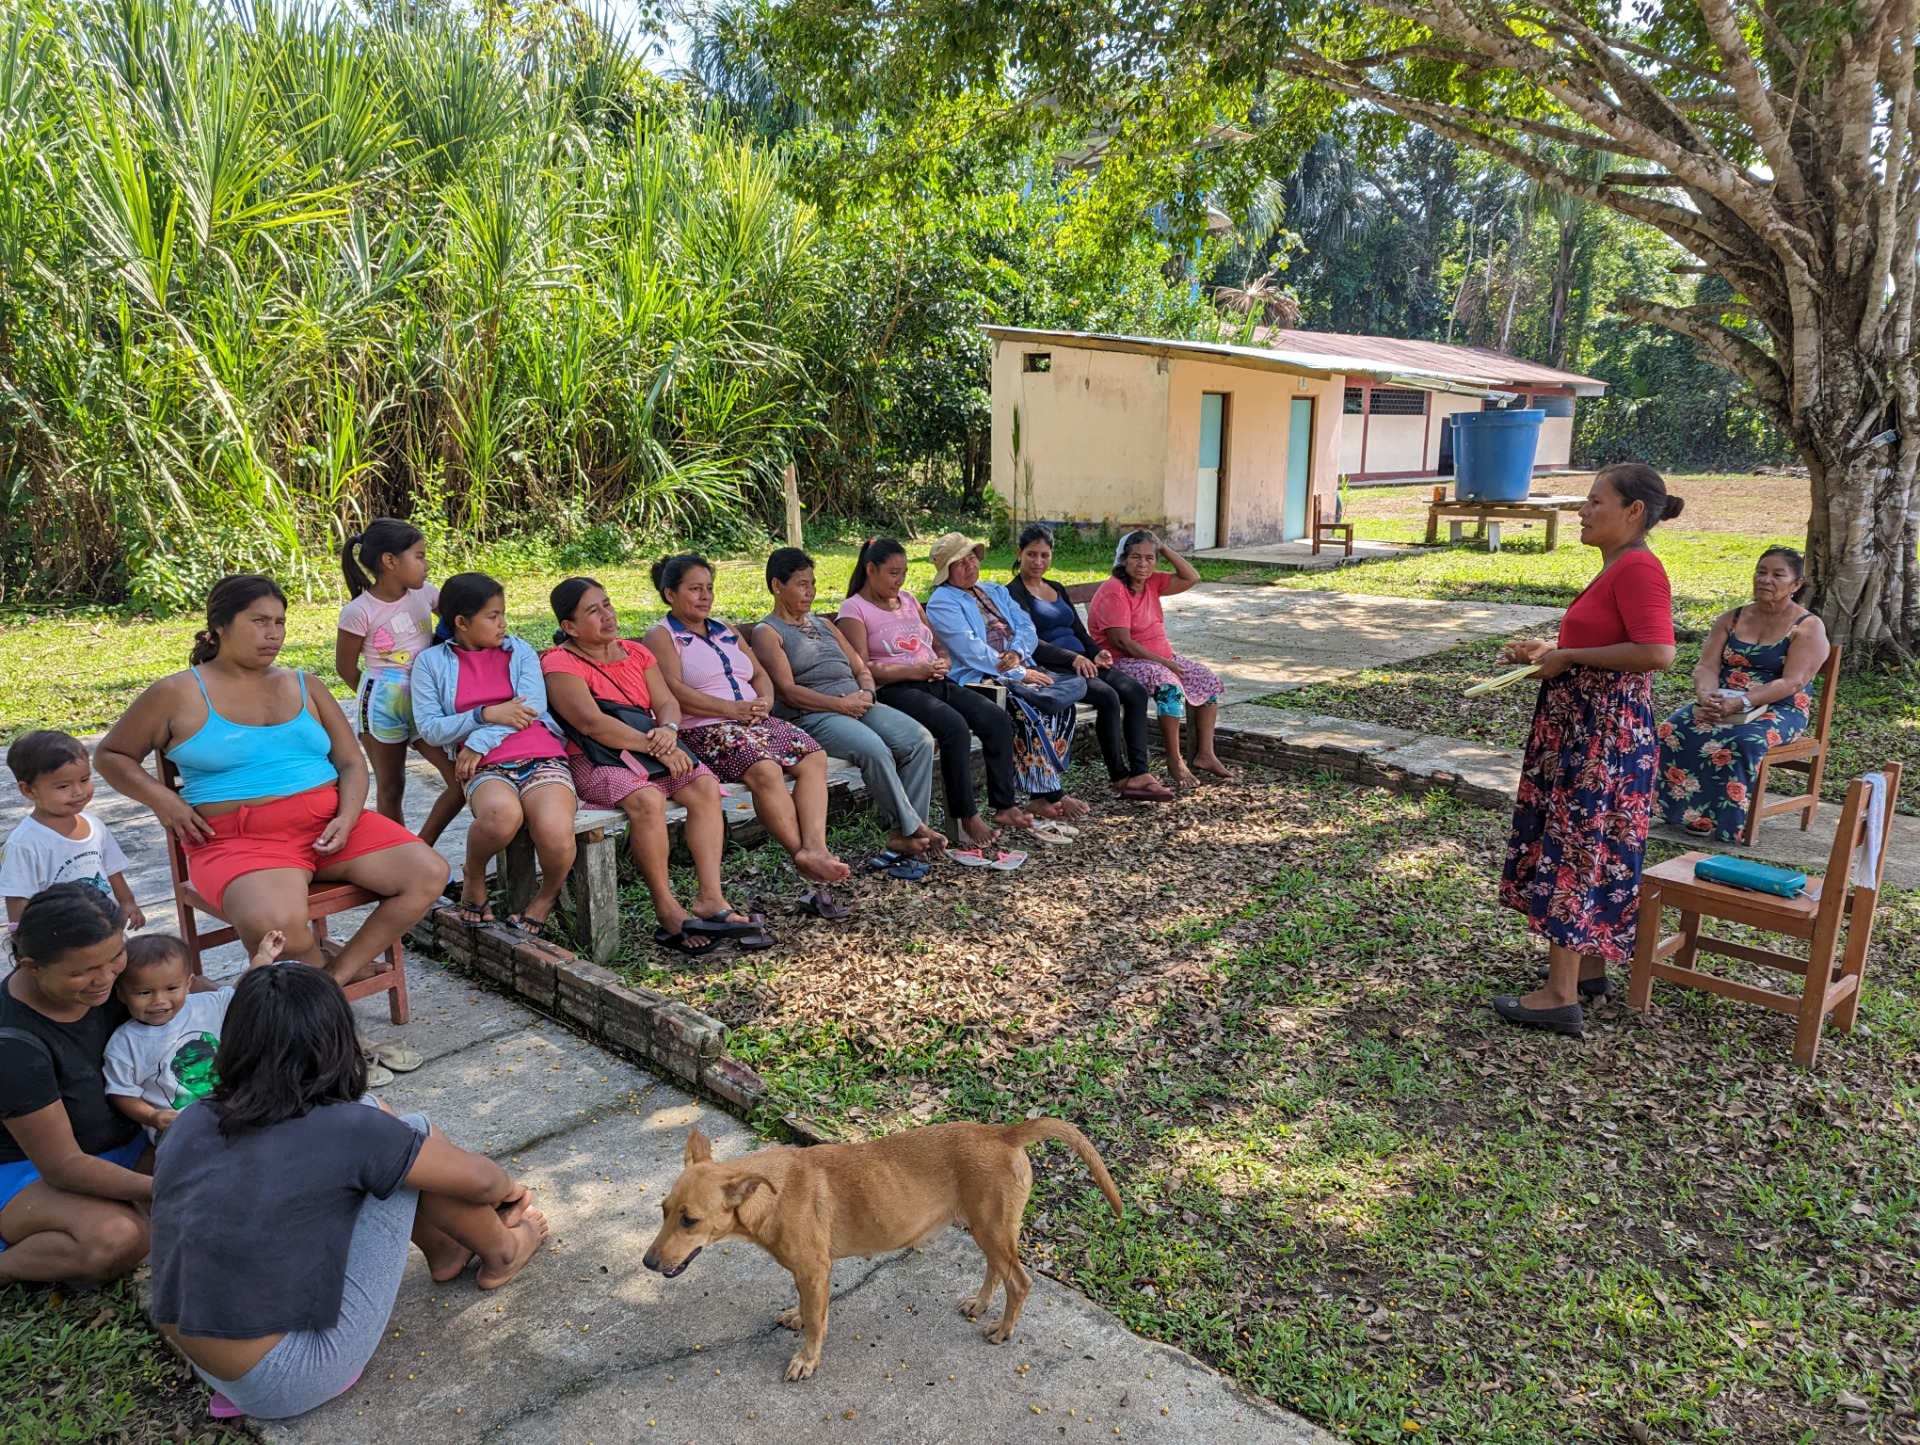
x=1866, y=862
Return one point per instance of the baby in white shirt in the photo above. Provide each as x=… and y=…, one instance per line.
x=161, y=1059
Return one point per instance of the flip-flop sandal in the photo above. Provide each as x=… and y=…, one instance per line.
x=475, y=915
x=1008, y=861
x=750, y=932
x=821, y=903
x=1144, y=795
x=683, y=941
x=397, y=1057
x=898, y=865
x=969, y=857
x=1050, y=833
x=532, y=927
x=378, y=1076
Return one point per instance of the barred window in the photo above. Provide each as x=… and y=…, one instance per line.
x=1555, y=405
x=1350, y=401
x=1398, y=401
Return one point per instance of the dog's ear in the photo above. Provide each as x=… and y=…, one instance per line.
x=699, y=1147
x=739, y=1191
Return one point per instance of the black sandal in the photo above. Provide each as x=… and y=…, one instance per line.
x=532, y=927
x=821, y=903
x=475, y=915
x=750, y=932
x=688, y=940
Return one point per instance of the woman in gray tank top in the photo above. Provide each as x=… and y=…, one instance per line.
x=820, y=684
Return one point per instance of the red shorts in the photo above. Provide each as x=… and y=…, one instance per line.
x=281, y=834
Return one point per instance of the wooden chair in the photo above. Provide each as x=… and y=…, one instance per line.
x=1324, y=527
x=1806, y=754
x=1833, y=979
x=323, y=901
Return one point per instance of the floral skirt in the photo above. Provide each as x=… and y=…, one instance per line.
x=605, y=787
x=1706, y=773
x=730, y=748
x=1042, y=743
x=1580, y=828
x=1174, y=684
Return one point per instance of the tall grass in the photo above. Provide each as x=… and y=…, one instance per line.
x=267, y=270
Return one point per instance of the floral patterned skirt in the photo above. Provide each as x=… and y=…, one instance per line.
x=730, y=748
x=1176, y=684
x=1580, y=827
x=1706, y=773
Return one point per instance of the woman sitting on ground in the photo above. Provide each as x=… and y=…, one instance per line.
x=71, y=1181
x=284, y=1202
x=726, y=698
x=1758, y=662
x=1119, y=702
x=593, y=668
x=883, y=623
x=822, y=685
x=989, y=638
x=481, y=695
x=273, y=789
x=1126, y=618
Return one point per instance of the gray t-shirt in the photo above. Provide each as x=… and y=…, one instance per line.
x=816, y=660
x=250, y=1231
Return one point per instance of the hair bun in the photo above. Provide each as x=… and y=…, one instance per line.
x=1675, y=505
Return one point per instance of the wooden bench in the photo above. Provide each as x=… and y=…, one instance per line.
x=1806, y=754
x=1489, y=515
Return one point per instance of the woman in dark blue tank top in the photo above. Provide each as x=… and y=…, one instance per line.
x=273, y=787
x=1119, y=703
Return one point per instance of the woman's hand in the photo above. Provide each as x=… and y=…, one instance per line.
x=1552, y=662
x=679, y=764
x=179, y=818
x=855, y=704
x=516, y=714
x=1103, y=659
x=1527, y=649
x=752, y=710
x=466, y=765
x=1037, y=678
x=660, y=742
x=333, y=837
x=937, y=668
x=1086, y=667
x=514, y=1207
x=1009, y=661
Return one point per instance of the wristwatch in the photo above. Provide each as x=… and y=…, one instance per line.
x=671, y=727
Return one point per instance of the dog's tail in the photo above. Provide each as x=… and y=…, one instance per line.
x=1035, y=1130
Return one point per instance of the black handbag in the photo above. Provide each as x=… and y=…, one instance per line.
x=644, y=765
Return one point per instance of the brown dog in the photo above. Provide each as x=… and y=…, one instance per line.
x=809, y=1207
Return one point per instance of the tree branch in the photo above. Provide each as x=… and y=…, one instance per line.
x=1756, y=105
x=1899, y=126
x=1758, y=368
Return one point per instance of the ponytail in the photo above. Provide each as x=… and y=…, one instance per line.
x=229, y=598
x=383, y=535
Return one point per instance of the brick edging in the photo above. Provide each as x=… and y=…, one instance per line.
x=552, y=978
x=1355, y=764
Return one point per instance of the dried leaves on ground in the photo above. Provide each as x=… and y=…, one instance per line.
x=1347, y=1183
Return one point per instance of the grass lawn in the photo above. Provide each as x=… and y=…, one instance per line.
x=77, y=671
x=1348, y=1185
x=1877, y=719
x=84, y=1366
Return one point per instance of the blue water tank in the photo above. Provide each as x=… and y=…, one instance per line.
x=1493, y=454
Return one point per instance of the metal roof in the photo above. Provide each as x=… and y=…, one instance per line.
x=1425, y=365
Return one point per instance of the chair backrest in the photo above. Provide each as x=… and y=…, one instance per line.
x=1081, y=593
x=1829, y=679
x=1852, y=832
x=176, y=855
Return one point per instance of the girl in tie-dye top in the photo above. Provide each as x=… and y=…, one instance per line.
x=383, y=629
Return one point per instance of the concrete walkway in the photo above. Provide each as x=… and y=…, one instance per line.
x=1300, y=556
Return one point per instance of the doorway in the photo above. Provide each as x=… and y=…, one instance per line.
x=1206, y=503
x=1293, y=521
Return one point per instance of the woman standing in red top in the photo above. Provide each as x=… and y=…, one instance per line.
x=1586, y=787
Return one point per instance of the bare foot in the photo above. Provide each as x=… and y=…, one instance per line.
x=911, y=846
x=979, y=832
x=1208, y=763
x=821, y=866
x=1065, y=809
x=1182, y=778
x=1013, y=818
x=528, y=1235
x=930, y=842
x=448, y=1260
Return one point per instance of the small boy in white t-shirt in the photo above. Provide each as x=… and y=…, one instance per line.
x=161, y=1059
x=59, y=841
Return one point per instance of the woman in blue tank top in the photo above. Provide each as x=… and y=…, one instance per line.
x=273, y=787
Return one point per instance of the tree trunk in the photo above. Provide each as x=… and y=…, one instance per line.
x=1863, y=456
x=1562, y=284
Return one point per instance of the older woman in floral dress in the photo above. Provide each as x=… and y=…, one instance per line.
x=1757, y=664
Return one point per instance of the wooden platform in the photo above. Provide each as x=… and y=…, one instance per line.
x=1488, y=516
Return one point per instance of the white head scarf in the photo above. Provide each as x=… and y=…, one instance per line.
x=1126, y=539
